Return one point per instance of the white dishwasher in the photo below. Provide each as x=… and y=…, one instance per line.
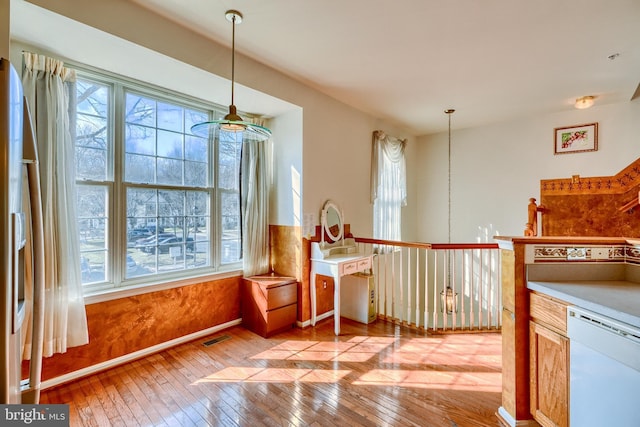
x=604, y=376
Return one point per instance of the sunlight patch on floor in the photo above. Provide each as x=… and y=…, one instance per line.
x=356, y=349
x=275, y=375
x=438, y=363
x=439, y=380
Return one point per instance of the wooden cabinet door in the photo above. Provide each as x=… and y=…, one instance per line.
x=549, y=365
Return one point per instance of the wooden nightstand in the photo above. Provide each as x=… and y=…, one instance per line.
x=269, y=304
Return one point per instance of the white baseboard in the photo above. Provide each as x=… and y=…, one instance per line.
x=318, y=318
x=506, y=417
x=93, y=369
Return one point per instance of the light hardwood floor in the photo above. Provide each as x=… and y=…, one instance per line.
x=375, y=375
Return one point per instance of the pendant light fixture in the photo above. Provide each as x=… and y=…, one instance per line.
x=448, y=296
x=232, y=122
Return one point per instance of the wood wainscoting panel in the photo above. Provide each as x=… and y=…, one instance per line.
x=126, y=325
x=285, y=242
x=589, y=215
x=325, y=287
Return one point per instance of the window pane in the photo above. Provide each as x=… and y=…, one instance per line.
x=140, y=140
x=142, y=212
x=164, y=140
x=192, y=117
x=168, y=230
x=92, y=202
x=195, y=148
x=91, y=131
x=195, y=174
x=198, y=227
x=229, y=164
x=140, y=110
x=139, y=168
x=92, y=98
x=170, y=144
x=230, y=206
x=91, y=163
x=169, y=171
x=135, y=265
x=170, y=117
x=92, y=136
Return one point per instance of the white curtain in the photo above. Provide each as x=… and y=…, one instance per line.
x=388, y=185
x=49, y=89
x=256, y=179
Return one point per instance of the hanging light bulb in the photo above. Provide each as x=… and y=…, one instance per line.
x=232, y=122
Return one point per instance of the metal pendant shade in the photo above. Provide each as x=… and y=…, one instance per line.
x=232, y=122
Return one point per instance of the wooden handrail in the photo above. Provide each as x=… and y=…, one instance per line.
x=630, y=204
x=422, y=245
x=464, y=246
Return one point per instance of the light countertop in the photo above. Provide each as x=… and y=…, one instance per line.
x=617, y=299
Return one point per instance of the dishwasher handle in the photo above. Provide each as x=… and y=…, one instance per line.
x=610, y=337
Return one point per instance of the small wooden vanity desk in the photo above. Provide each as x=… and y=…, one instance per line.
x=336, y=258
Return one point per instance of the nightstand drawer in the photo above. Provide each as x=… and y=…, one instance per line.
x=281, y=319
x=279, y=296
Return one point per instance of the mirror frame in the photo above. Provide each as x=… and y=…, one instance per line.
x=326, y=228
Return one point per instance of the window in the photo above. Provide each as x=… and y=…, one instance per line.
x=154, y=200
x=388, y=186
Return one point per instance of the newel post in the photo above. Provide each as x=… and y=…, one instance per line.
x=532, y=218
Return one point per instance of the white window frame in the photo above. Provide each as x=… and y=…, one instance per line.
x=115, y=264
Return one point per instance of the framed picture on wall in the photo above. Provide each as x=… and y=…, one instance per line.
x=576, y=139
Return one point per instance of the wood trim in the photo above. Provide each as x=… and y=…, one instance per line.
x=625, y=180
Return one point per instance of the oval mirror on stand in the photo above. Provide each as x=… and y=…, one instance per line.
x=332, y=222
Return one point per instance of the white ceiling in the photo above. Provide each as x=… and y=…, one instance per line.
x=405, y=61
x=408, y=60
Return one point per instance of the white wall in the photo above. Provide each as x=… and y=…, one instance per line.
x=497, y=168
x=287, y=155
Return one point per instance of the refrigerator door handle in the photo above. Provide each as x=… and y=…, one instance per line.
x=31, y=391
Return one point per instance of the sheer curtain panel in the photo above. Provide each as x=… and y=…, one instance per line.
x=49, y=89
x=388, y=185
x=255, y=188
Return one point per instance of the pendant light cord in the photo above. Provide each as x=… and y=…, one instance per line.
x=449, y=113
x=233, y=55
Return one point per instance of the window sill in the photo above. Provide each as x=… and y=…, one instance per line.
x=129, y=291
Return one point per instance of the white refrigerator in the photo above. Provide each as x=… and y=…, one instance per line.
x=21, y=245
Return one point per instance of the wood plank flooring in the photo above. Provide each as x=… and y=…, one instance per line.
x=371, y=375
